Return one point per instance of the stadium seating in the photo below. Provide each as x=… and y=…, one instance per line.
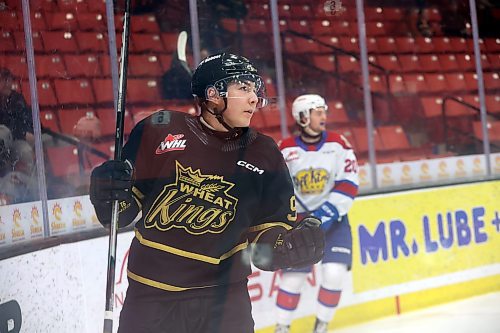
x=20, y=41
x=493, y=128
x=45, y=91
x=76, y=91
x=144, y=23
x=337, y=114
x=92, y=22
x=69, y=117
x=64, y=21
x=49, y=119
x=393, y=138
x=51, y=66
x=361, y=140
x=73, y=65
x=107, y=116
x=7, y=42
x=80, y=65
x=324, y=62
x=95, y=42
x=10, y=20
x=143, y=90
x=144, y=42
x=103, y=89
x=58, y=41
x=144, y=65
x=386, y=45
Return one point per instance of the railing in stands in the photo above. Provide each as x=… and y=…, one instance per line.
x=336, y=51
x=80, y=146
x=447, y=128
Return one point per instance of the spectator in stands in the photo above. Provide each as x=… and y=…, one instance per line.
x=16, y=140
x=14, y=111
x=488, y=23
x=454, y=18
x=88, y=128
x=214, y=37
x=176, y=81
x=17, y=165
x=422, y=21
x=5, y=145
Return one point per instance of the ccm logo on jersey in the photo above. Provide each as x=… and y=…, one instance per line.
x=250, y=167
x=171, y=143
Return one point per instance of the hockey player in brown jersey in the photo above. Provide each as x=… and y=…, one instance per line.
x=203, y=191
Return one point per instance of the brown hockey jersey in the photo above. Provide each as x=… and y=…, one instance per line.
x=203, y=200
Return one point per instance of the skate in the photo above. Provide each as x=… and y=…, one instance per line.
x=282, y=328
x=320, y=326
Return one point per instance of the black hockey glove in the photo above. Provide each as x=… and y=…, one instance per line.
x=302, y=246
x=296, y=248
x=111, y=181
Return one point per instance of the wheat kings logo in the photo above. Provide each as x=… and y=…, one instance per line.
x=195, y=202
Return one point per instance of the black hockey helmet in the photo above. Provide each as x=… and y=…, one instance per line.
x=220, y=69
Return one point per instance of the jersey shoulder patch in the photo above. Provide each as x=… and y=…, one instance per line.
x=340, y=139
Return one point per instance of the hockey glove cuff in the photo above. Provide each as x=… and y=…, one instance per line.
x=327, y=212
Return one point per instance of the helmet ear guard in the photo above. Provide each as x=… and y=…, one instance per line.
x=211, y=92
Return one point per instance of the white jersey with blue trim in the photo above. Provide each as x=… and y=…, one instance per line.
x=324, y=171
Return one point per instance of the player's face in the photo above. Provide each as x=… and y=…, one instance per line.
x=318, y=119
x=241, y=103
x=5, y=85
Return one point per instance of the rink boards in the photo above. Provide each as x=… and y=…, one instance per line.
x=411, y=250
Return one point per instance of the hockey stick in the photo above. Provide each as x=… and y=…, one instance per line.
x=120, y=117
x=181, y=49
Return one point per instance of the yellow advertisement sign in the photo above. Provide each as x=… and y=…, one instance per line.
x=404, y=237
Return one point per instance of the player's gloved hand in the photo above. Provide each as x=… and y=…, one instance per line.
x=302, y=246
x=111, y=181
x=327, y=212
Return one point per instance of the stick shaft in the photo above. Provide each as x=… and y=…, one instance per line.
x=120, y=116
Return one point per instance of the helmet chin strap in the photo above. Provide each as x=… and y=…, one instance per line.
x=233, y=131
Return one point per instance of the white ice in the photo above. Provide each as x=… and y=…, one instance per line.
x=480, y=314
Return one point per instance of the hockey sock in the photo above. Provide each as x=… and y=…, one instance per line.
x=333, y=275
x=288, y=296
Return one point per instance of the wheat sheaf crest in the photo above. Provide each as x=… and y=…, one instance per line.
x=212, y=187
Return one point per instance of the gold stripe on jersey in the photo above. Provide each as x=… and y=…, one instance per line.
x=160, y=285
x=262, y=228
x=137, y=193
x=256, y=239
x=269, y=225
x=187, y=254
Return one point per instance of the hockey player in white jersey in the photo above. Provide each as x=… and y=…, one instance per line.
x=324, y=170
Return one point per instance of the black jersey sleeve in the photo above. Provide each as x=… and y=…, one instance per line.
x=277, y=213
x=277, y=202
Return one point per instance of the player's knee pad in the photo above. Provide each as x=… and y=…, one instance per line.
x=292, y=281
x=333, y=275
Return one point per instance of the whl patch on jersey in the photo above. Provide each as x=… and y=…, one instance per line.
x=195, y=202
x=171, y=143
